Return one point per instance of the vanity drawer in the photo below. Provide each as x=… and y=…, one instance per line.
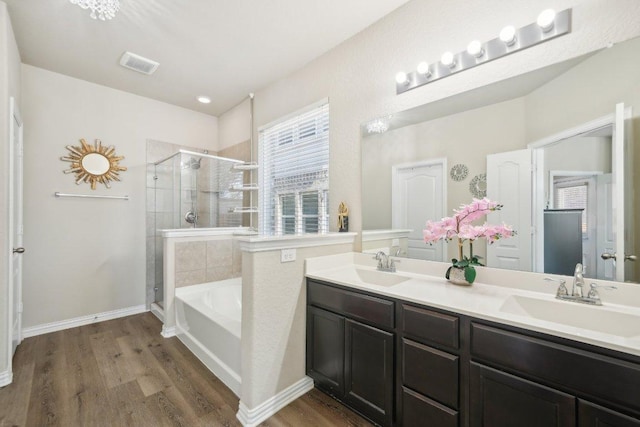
x=428, y=326
x=613, y=381
x=418, y=410
x=358, y=306
x=431, y=372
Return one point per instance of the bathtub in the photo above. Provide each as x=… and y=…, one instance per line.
x=208, y=320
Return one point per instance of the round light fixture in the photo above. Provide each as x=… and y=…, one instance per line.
x=475, y=49
x=204, y=99
x=423, y=68
x=447, y=59
x=546, y=19
x=401, y=78
x=508, y=35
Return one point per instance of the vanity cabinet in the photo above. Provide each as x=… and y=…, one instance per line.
x=351, y=348
x=405, y=364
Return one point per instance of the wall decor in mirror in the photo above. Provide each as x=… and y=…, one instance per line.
x=94, y=164
x=550, y=141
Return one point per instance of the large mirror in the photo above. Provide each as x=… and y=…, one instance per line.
x=557, y=147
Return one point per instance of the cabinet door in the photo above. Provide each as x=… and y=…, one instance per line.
x=499, y=399
x=325, y=350
x=368, y=372
x=591, y=415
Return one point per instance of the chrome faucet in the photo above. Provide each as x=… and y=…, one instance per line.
x=578, y=281
x=385, y=262
x=576, y=294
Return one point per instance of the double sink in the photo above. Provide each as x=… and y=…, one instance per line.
x=607, y=319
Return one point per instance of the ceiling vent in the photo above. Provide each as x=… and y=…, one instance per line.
x=138, y=63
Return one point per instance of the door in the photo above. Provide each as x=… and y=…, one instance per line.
x=368, y=371
x=325, y=350
x=509, y=183
x=15, y=226
x=591, y=415
x=605, y=235
x=499, y=399
x=419, y=195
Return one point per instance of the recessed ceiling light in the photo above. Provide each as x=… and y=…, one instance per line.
x=204, y=99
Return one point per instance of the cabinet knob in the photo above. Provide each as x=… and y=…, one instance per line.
x=18, y=250
x=630, y=257
x=607, y=255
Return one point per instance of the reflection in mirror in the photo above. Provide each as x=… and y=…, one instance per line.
x=94, y=164
x=559, y=122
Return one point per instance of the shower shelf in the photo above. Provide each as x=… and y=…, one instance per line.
x=245, y=166
x=246, y=187
x=243, y=209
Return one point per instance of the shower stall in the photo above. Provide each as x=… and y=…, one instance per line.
x=198, y=190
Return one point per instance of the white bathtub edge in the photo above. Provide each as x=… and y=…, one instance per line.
x=213, y=363
x=253, y=417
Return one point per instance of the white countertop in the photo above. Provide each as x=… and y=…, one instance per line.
x=426, y=285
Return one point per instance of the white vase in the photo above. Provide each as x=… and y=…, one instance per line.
x=456, y=276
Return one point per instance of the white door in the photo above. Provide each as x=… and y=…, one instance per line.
x=509, y=183
x=418, y=194
x=16, y=228
x=605, y=240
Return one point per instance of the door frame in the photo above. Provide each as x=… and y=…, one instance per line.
x=539, y=189
x=395, y=194
x=14, y=116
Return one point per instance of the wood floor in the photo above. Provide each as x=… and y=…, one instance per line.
x=123, y=373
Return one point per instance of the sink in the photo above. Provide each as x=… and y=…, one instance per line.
x=598, y=319
x=380, y=278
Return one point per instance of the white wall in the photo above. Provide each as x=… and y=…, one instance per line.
x=9, y=87
x=87, y=256
x=234, y=125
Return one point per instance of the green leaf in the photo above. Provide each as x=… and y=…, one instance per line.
x=446, y=275
x=470, y=274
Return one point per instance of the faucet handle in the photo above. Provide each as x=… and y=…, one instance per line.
x=593, y=293
x=562, y=289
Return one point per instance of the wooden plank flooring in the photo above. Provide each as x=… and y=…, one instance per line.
x=123, y=373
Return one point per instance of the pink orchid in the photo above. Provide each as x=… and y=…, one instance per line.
x=460, y=225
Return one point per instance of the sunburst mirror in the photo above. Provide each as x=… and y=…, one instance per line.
x=94, y=164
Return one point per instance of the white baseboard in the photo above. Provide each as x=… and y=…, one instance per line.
x=253, y=417
x=5, y=378
x=157, y=311
x=81, y=321
x=168, y=332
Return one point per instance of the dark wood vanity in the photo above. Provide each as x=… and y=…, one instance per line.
x=404, y=364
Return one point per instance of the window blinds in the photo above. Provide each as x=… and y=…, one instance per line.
x=294, y=177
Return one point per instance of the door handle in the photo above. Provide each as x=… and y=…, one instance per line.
x=630, y=257
x=607, y=255
x=18, y=250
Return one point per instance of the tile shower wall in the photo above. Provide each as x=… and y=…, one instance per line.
x=207, y=261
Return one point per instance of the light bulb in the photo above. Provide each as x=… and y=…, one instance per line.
x=475, y=49
x=204, y=99
x=546, y=19
x=423, y=68
x=508, y=35
x=447, y=59
x=401, y=77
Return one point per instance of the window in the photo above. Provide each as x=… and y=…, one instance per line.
x=573, y=194
x=294, y=179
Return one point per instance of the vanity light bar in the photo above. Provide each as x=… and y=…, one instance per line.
x=510, y=40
